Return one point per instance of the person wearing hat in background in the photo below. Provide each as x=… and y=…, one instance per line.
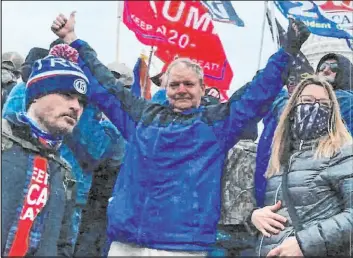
x=122, y=73
x=24, y=70
x=15, y=58
x=10, y=73
x=39, y=192
x=161, y=95
x=15, y=99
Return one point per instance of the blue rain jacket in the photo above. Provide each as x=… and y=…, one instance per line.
x=167, y=195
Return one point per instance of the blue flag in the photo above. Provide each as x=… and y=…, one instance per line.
x=300, y=66
x=310, y=14
x=136, y=86
x=223, y=11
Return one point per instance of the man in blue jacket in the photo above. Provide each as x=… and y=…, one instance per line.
x=338, y=70
x=167, y=197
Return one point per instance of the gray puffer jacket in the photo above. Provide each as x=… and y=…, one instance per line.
x=321, y=193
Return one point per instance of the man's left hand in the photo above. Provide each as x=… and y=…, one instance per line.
x=289, y=247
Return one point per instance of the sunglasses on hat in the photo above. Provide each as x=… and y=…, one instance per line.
x=333, y=66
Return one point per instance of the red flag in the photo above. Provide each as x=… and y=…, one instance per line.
x=180, y=29
x=335, y=6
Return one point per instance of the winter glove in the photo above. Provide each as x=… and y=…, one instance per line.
x=297, y=34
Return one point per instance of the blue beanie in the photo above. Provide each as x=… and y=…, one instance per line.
x=55, y=75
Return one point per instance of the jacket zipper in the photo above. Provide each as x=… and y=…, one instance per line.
x=262, y=238
x=141, y=218
x=300, y=145
x=289, y=165
x=290, y=162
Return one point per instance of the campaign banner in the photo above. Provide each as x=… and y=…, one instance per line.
x=180, y=29
x=324, y=18
x=223, y=11
x=338, y=11
x=300, y=67
x=341, y=13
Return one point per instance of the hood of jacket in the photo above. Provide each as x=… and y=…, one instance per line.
x=343, y=78
x=33, y=55
x=15, y=102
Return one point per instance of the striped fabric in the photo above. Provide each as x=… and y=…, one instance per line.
x=54, y=73
x=38, y=225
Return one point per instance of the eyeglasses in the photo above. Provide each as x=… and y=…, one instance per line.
x=309, y=99
x=333, y=67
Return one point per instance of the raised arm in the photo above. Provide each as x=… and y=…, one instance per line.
x=122, y=108
x=252, y=102
x=91, y=142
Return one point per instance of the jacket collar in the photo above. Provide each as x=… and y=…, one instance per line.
x=304, y=145
x=26, y=129
x=185, y=112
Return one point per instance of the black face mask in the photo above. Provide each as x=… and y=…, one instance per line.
x=310, y=121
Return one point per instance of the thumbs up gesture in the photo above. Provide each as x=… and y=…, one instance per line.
x=65, y=28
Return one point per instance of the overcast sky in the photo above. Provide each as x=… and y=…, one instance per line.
x=27, y=24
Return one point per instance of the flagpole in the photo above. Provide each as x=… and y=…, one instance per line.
x=262, y=35
x=120, y=8
x=147, y=72
x=274, y=26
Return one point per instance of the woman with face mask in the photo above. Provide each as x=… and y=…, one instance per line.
x=308, y=202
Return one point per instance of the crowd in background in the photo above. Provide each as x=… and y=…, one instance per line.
x=89, y=169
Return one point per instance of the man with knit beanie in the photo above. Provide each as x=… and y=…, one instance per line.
x=38, y=190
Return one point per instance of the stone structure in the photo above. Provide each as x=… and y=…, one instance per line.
x=316, y=47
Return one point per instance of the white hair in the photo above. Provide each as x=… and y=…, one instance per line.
x=189, y=64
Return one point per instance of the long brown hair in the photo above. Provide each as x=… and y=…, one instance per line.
x=329, y=144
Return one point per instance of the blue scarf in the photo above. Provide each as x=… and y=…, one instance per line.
x=44, y=138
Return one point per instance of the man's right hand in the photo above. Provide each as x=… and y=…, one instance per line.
x=266, y=220
x=65, y=28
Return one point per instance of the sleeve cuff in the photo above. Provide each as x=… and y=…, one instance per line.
x=77, y=44
x=282, y=49
x=299, y=243
x=252, y=230
x=310, y=242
